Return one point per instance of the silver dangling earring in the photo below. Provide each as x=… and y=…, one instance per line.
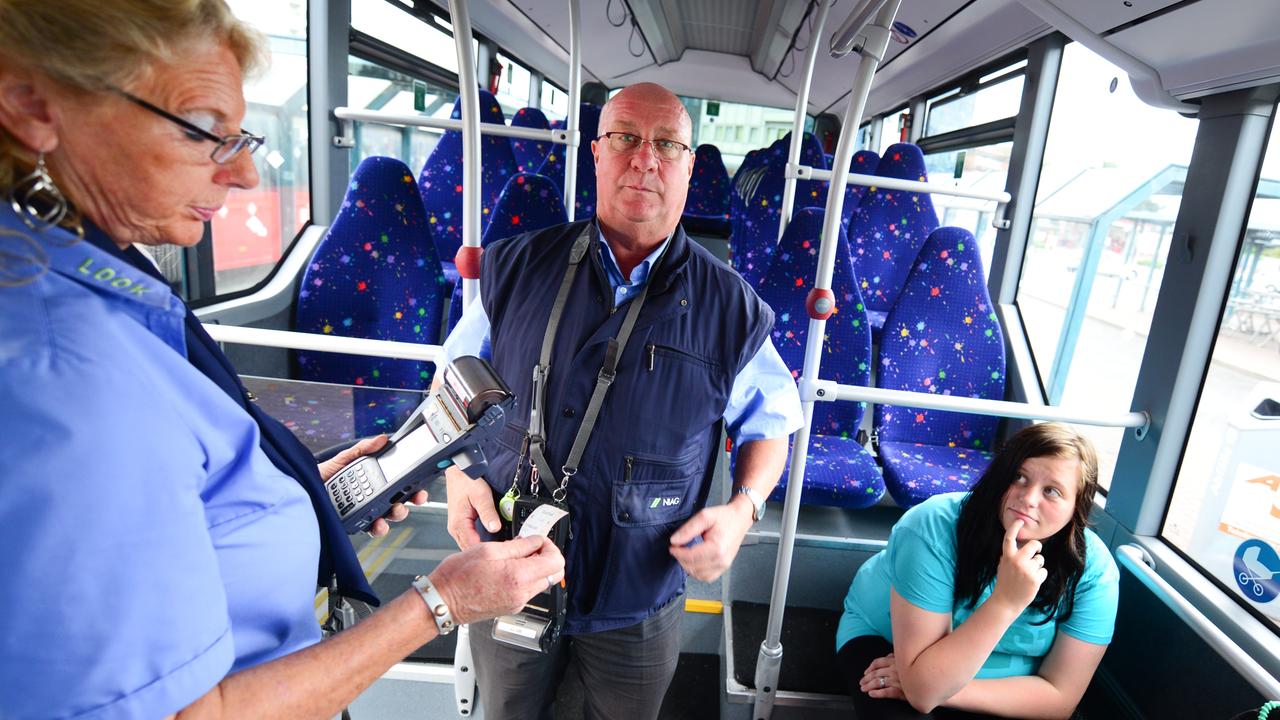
x=38, y=201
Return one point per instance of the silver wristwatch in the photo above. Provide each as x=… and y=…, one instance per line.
x=757, y=502
x=435, y=604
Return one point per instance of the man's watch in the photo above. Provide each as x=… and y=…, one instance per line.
x=757, y=502
x=435, y=604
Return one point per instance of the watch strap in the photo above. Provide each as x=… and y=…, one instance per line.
x=757, y=502
x=435, y=604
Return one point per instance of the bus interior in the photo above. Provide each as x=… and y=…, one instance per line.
x=1099, y=179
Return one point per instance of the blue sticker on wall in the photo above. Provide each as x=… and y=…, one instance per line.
x=1256, y=568
x=903, y=32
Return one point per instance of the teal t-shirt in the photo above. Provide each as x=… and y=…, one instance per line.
x=920, y=563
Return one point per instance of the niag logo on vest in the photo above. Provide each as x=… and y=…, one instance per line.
x=664, y=502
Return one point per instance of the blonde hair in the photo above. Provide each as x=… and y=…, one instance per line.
x=87, y=44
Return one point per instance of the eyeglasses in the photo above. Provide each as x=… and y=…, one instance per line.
x=626, y=143
x=225, y=148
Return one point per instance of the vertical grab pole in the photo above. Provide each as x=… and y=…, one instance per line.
x=797, y=126
x=571, y=122
x=468, y=258
x=769, y=664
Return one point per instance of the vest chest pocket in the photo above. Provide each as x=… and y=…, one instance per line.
x=656, y=490
x=658, y=352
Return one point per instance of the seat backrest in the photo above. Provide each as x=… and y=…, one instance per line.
x=441, y=179
x=529, y=154
x=375, y=275
x=864, y=162
x=709, y=184
x=942, y=337
x=584, y=204
x=755, y=229
x=846, y=356
x=886, y=233
x=529, y=202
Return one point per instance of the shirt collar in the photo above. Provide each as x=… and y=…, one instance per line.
x=94, y=261
x=639, y=274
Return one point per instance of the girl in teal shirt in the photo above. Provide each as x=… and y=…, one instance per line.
x=997, y=602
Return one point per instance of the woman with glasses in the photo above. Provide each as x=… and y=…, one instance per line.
x=163, y=538
x=999, y=602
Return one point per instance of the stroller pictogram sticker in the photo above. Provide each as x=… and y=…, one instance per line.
x=1257, y=571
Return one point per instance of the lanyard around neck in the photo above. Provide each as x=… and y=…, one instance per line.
x=608, y=371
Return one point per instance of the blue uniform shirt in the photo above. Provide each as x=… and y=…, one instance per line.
x=764, y=402
x=152, y=547
x=920, y=564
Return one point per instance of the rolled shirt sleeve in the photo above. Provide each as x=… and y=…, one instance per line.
x=764, y=402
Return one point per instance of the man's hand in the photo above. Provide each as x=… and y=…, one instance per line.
x=469, y=499
x=368, y=446
x=721, y=529
x=497, y=578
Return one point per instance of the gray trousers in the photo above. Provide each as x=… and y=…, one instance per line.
x=624, y=672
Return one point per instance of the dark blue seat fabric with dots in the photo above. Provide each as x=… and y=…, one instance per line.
x=375, y=275
x=886, y=233
x=755, y=227
x=942, y=337
x=840, y=472
x=864, y=162
x=706, y=208
x=529, y=154
x=441, y=181
x=529, y=202
x=584, y=205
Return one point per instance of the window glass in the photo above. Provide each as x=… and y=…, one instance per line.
x=987, y=103
x=738, y=128
x=555, y=102
x=982, y=169
x=894, y=129
x=513, y=86
x=252, y=229
x=373, y=87
x=397, y=27
x=1109, y=192
x=1227, y=496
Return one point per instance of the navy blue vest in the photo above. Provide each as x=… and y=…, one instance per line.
x=291, y=457
x=648, y=465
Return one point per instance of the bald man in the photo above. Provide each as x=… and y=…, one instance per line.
x=654, y=347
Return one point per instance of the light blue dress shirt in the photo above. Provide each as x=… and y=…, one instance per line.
x=151, y=547
x=763, y=403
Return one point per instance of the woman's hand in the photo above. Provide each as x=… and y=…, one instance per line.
x=497, y=578
x=1021, y=570
x=880, y=680
x=368, y=446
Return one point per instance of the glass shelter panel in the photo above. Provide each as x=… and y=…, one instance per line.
x=982, y=169
x=1109, y=193
x=1225, y=511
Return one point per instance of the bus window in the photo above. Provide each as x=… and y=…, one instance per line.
x=894, y=129
x=513, y=86
x=1227, y=494
x=1109, y=192
x=555, y=103
x=738, y=128
x=397, y=27
x=993, y=98
x=251, y=231
x=371, y=86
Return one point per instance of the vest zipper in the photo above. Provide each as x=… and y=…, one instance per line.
x=651, y=348
x=626, y=477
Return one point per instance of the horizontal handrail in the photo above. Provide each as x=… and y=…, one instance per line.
x=826, y=390
x=1131, y=558
x=263, y=337
x=347, y=114
x=805, y=172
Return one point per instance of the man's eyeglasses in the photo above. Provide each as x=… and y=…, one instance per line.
x=225, y=148
x=626, y=143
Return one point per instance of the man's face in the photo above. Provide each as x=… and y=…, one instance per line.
x=639, y=187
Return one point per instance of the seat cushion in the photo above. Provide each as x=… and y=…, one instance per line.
x=839, y=473
x=915, y=472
